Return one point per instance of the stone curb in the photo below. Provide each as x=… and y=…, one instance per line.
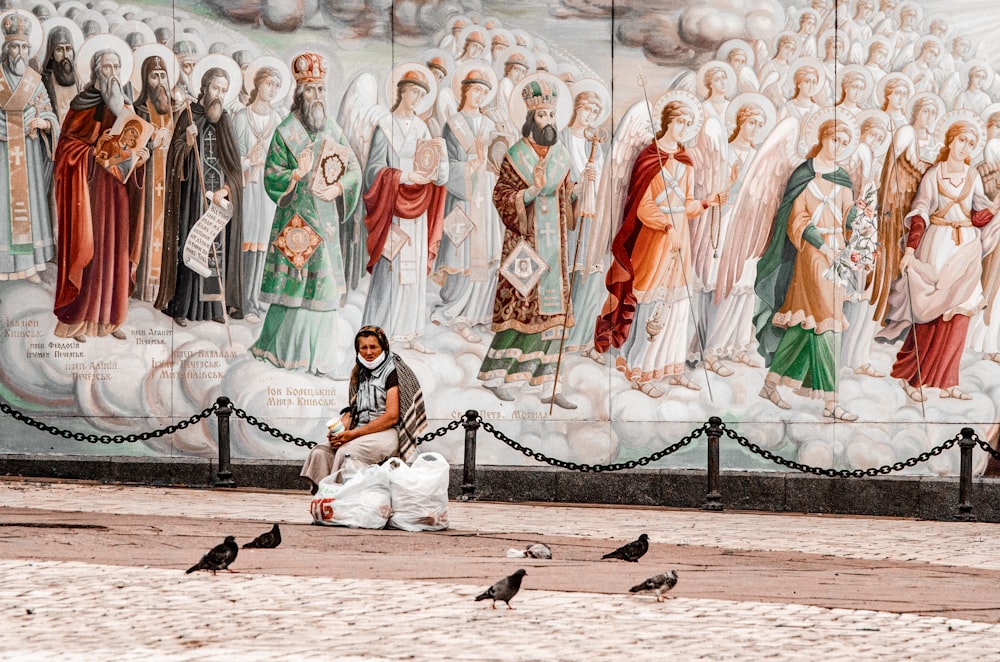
x=927, y=497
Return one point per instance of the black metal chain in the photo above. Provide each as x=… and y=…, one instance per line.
x=841, y=473
x=274, y=432
x=299, y=441
x=585, y=468
x=986, y=447
x=107, y=438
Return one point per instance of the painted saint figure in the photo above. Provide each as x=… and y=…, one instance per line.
x=468, y=269
x=648, y=313
x=942, y=266
x=28, y=132
x=533, y=196
x=303, y=277
x=100, y=220
x=405, y=212
x=255, y=124
x=154, y=105
x=800, y=315
x=205, y=157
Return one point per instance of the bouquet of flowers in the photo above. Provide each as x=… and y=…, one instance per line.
x=861, y=251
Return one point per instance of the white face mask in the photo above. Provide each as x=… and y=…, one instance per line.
x=371, y=365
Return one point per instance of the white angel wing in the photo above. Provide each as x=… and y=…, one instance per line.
x=950, y=89
x=633, y=133
x=711, y=175
x=360, y=112
x=757, y=203
x=685, y=81
x=761, y=56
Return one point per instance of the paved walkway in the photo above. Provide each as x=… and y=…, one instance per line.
x=97, y=575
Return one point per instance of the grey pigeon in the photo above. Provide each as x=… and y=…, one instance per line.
x=504, y=589
x=659, y=584
x=219, y=557
x=538, y=551
x=633, y=551
x=268, y=540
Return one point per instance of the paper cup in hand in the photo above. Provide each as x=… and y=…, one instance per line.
x=335, y=426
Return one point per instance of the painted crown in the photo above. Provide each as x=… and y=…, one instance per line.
x=309, y=68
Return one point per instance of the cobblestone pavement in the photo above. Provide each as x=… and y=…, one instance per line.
x=110, y=611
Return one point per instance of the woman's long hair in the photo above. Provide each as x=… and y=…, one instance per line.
x=366, y=332
x=828, y=128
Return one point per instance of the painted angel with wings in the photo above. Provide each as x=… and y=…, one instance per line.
x=721, y=160
x=405, y=171
x=648, y=311
x=984, y=336
x=912, y=151
x=795, y=220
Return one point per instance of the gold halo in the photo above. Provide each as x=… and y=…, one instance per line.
x=690, y=100
x=564, y=102
x=755, y=98
x=223, y=62
x=733, y=44
x=469, y=65
x=865, y=72
x=397, y=72
x=789, y=83
x=75, y=33
x=284, y=75
x=731, y=81
x=881, y=147
x=967, y=115
x=35, y=36
x=151, y=50
x=100, y=42
x=598, y=88
x=125, y=28
x=938, y=102
x=880, y=87
x=811, y=134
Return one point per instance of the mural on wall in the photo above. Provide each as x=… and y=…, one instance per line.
x=782, y=215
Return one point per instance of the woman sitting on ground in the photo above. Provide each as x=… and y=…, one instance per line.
x=385, y=415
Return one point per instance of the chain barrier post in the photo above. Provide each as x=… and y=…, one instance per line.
x=713, y=500
x=224, y=476
x=471, y=424
x=966, y=444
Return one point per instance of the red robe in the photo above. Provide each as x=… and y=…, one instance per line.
x=387, y=198
x=97, y=227
x=615, y=320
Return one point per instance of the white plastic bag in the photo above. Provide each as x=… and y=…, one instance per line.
x=362, y=501
x=419, y=493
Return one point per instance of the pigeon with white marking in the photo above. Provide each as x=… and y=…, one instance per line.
x=504, y=589
x=633, y=551
x=219, y=557
x=267, y=540
x=658, y=584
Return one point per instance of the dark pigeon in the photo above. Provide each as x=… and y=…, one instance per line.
x=268, y=540
x=219, y=557
x=505, y=589
x=633, y=551
x=659, y=584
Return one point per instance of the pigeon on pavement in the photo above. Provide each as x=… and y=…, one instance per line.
x=219, y=557
x=268, y=540
x=504, y=589
x=633, y=551
x=538, y=551
x=659, y=584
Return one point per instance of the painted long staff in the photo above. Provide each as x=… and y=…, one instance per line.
x=215, y=255
x=595, y=136
x=694, y=317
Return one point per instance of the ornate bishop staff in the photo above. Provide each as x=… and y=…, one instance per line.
x=588, y=206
